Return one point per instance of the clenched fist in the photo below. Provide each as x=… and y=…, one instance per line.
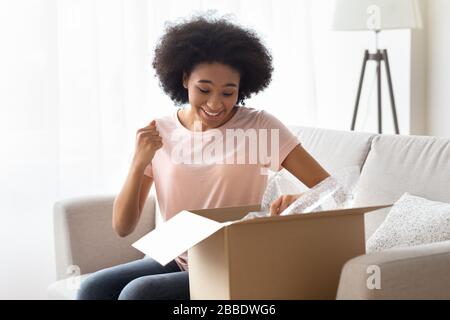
x=148, y=141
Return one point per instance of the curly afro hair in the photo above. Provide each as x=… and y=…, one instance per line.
x=206, y=40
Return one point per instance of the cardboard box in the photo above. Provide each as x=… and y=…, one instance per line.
x=289, y=257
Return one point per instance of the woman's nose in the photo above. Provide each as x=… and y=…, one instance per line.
x=214, y=104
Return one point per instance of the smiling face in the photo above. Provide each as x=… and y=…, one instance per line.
x=213, y=92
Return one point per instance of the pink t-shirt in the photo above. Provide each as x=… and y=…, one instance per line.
x=220, y=167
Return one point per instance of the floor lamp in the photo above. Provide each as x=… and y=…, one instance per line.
x=376, y=15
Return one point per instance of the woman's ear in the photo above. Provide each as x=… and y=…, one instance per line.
x=185, y=80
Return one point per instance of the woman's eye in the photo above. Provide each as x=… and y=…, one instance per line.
x=206, y=91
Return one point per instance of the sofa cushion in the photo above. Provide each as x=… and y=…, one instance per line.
x=398, y=164
x=412, y=221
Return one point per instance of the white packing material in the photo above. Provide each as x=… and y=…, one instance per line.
x=335, y=192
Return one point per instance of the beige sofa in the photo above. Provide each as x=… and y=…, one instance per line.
x=390, y=165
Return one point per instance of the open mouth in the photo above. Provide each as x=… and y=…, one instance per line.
x=212, y=115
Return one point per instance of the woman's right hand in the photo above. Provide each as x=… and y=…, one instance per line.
x=284, y=201
x=148, y=141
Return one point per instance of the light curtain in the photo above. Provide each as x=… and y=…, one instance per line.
x=76, y=83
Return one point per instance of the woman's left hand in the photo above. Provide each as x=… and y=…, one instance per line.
x=282, y=203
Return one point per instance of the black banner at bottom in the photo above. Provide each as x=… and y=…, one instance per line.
x=212, y=309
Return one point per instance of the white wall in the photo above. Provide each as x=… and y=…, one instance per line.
x=438, y=65
x=338, y=60
x=339, y=66
x=420, y=68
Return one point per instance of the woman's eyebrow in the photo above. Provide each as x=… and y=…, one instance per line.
x=226, y=85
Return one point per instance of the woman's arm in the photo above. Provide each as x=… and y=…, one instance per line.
x=131, y=199
x=128, y=204
x=306, y=169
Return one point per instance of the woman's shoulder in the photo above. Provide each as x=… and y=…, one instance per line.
x=257, y=116
x=168, y=118
x=167, y=122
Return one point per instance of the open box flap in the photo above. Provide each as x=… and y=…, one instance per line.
x=186, y=229
x=176, y=236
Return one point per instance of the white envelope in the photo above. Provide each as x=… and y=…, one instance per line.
x=177, y=235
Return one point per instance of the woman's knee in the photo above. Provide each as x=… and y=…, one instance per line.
x=97, y=286
x=157, y=287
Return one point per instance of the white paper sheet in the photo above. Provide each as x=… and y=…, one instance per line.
x=176, y=236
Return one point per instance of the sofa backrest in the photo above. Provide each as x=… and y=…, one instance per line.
x=397, y=164
x=391, y=165
x=333, y=149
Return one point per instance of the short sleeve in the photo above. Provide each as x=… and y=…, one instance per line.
x=148, y=170
x=287, y=140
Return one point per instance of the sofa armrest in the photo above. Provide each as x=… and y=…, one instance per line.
x=420, y=272
x=85, y=240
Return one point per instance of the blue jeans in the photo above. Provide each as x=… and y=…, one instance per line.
x=143, y=279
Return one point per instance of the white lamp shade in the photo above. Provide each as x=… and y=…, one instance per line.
x=376, y=15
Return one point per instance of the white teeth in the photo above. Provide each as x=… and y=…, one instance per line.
x=211, y=114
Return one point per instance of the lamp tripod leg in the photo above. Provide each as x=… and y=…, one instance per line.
x=358, y=95
x=380, y=125
x=391, y=91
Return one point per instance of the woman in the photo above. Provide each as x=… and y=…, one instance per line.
x=213, y=65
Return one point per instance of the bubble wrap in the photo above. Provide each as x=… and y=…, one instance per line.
x=335, y=192
x=278, y=185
